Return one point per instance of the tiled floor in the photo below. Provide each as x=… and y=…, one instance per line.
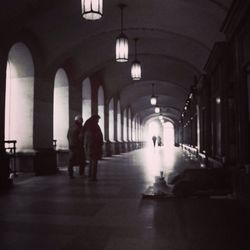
x=55, y=212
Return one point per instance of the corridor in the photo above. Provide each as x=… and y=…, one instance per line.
x=58, y=213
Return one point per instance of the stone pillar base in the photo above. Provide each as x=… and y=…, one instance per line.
x=45, y=162
x=5, y=180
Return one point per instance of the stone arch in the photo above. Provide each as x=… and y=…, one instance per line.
x=125, y=131
x=86, y=99
x=100, y=108
x=119, y=122
x=111, y=120
x=61, y=109
x=19, y=97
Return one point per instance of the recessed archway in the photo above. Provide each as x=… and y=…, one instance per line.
x=19, y=97
x=111, y=120
x=125, y=134
x=101, y=107
x=168, y=134
x=119, y=124
x=61, y=109
x=86, y=99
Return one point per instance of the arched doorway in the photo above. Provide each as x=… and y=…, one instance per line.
x=86, y=99
x=125, y=127
x=168, y=134
x=61, y=109
x=111, y=120
x=101, y=108
x=119, y=124
x=19, y=97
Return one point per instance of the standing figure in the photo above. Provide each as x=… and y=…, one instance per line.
x=159, y=141
x=76, y=147
x=93, y=141
x=154, y=140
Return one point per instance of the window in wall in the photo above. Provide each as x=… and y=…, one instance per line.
x=86, y=99
x=19, y=97
x=61, y=109
x=119, y=124
x=101, y=108
x=111, y=120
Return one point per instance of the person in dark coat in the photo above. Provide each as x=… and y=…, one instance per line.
x=93, y=141
x=154, y=140
x=76, y=147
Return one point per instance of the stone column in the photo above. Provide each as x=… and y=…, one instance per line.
x=4, y=159
x=45, y=155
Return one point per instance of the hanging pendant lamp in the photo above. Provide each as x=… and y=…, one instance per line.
x=121, y=42
x=136, y=66
x=92, y=9
x=157, y=110
x=153, y=98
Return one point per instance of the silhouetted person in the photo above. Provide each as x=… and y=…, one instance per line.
x=93, y=141
x=159, y=141
x=75, y=138
x=154, y=140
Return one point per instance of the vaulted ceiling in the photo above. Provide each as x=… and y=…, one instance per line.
x=175, y=39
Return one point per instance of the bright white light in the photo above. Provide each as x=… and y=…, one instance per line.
x=156, y=159
x=119, y=126
x=61, y=108
x=122, y=48
x=157, y=110
x=136, y=70
x=154, y=128
x=19, y=102
x=100, y=108
x=92, y=9
x=153, y=100
x=86, y=99
x=111, y=120
x=125, y=134
x=168, y=130
x=218, y=100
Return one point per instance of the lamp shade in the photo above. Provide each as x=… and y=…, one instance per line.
x=121, y=48
x=153, y=100
x=92, y=9
x=136, y=70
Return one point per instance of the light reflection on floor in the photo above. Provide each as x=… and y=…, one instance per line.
x=158, y=159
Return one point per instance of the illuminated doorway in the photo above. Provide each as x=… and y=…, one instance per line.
x=111, y=120
x=61, y=109
x=19, y=97
x=101, y=108
x=168, y=134
x=86, y=99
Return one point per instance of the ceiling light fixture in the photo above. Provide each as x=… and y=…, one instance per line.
x=153, y=98
x=157, y=110
x=92, y=9
x=136, y=66
x=122, y=42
